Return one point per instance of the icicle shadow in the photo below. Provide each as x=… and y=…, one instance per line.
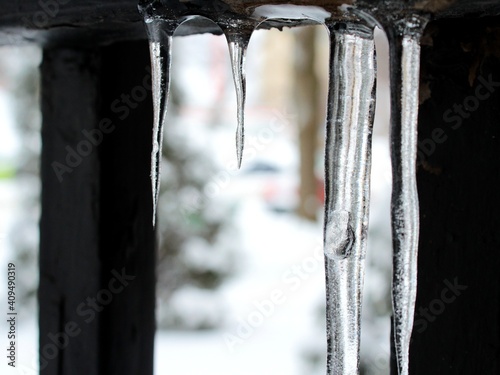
x=404, y=36
x=351, y=107
x=238, y=34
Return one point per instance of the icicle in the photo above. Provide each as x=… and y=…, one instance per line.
x=160, y=43
x=404, y=36
x=351, y=106
x=238, y=36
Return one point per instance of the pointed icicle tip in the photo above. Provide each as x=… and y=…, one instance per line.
x=238, y=36
x=237, y=50
x=160, y=41
x=240, y=144
x=404, y=41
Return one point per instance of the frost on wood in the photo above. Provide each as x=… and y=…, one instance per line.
x=351, y=105
x=404, y=36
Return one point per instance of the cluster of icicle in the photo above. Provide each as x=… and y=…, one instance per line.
x=351, y=106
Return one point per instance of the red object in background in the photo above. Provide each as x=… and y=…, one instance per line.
x=320, y=190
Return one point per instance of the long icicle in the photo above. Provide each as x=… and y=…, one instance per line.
x=238, y=36
x=160, y=44
x=351, y=106
x=404, y=36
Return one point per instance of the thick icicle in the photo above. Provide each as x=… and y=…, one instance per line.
x=404, y=36
x=238, y=36
x=351, y=106
x=160, y=43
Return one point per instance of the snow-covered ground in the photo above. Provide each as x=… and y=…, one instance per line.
x=270, y=304
x=273, y=305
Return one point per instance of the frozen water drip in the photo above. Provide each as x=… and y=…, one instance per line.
x=351, y=106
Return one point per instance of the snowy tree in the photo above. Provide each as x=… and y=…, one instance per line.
x=197, y=239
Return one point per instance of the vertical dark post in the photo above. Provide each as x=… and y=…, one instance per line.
x=69, y=244
x=457, y=314
x=127, y=236
x=97, y=253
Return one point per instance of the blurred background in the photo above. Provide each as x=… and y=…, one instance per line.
x=240, y=268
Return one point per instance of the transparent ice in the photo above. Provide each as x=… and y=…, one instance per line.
x=351, y=105
x=404, y=36
x=238, y=36
x=160, y=44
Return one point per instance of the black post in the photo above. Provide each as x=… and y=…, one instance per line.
x=457, y=317
x=97, y=252
x=69, y=239
x=127, y=236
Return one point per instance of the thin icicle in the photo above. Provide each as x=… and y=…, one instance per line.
x=404, y=39
x=238, y=36
x=351, y=106
x=160, y=43
x=237, y=52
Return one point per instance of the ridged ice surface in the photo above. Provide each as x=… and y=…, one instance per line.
x=160, y=45
x=351, y=105
x=237, y=52
x=238, y=43
x=405, y=60
x=347, y=174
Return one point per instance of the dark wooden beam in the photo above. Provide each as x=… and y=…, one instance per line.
x=93, y=22
x=97, y=252
x=126, y=231
x=69, y=235
x=457, y=314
